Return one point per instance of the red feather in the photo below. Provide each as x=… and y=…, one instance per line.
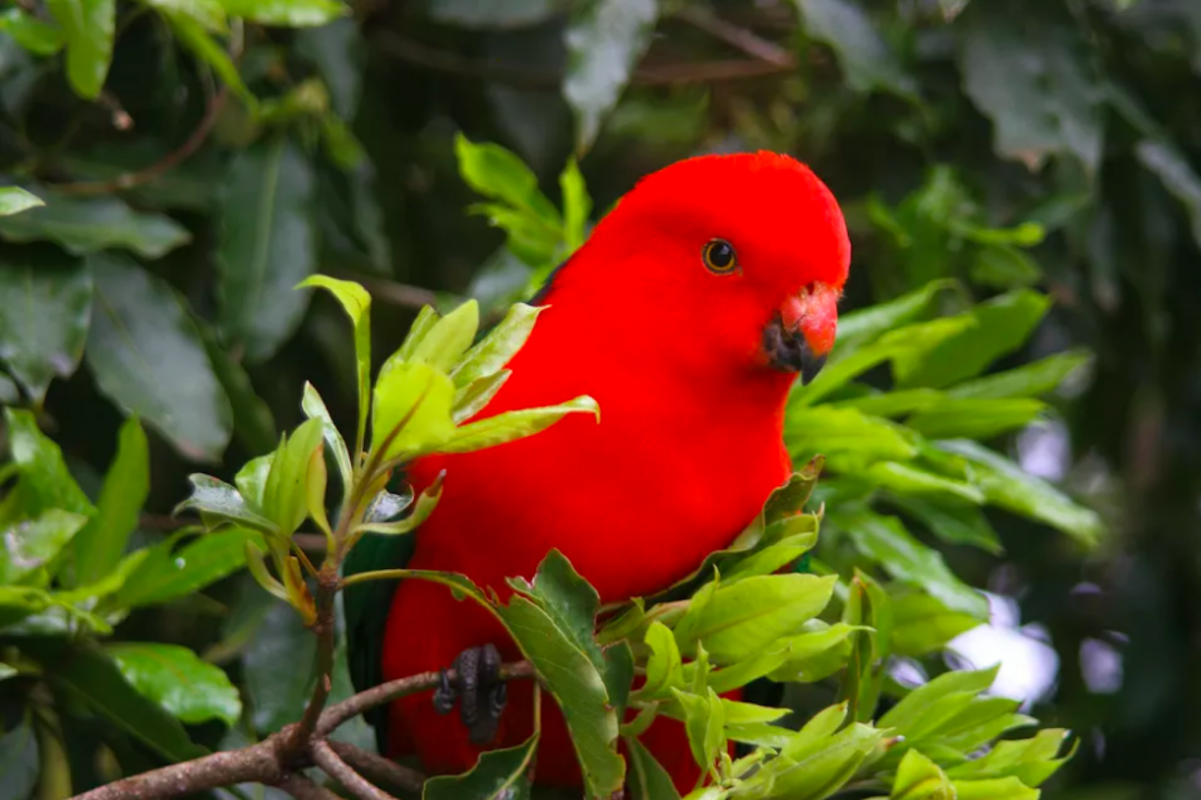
x=687, y=449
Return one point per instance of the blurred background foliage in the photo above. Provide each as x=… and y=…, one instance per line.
x=1017, y=179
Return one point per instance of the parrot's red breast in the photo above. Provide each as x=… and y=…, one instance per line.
x=686, y=315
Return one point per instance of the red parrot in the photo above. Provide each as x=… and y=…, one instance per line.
x=687, y=315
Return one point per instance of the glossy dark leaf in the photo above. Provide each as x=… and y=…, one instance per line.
x=148, y=357
x=90, y=677
x=489, y=14
x=1025, y=67
x=605, y=41
x=267, y=246
x=866, y=59
x=84, y=225
x=30, y=544
x=278, y=669
x=45, y=309
x=18, y=759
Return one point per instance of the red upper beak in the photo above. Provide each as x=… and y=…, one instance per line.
x=814, y=314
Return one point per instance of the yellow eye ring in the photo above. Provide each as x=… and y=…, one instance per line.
x=719, y=257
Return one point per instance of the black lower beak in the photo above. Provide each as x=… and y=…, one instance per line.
x=789, y=352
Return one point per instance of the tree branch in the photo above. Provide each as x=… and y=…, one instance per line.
x=379, y=769
x=742, y=38
x=273, y=762
x=344, y=774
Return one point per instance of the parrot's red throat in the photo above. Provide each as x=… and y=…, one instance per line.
x=801, y=335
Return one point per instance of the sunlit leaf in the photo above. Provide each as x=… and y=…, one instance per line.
x=88, y=26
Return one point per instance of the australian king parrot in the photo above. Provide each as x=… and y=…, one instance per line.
x=688, y=313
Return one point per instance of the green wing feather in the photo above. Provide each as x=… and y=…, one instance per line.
x=366, y=607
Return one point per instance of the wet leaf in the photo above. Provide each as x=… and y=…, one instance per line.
x=605, y=41
x=147, y=356
x=84, y=225
x=267, y=246
x=192, y=690
x=45, y=310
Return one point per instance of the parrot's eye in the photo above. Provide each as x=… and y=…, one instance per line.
x=719, y=257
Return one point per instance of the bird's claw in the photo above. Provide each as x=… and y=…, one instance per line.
x=477, y=687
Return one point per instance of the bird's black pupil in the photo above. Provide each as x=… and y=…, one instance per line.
x=720, y=254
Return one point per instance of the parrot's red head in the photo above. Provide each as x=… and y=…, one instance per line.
x=733, y=261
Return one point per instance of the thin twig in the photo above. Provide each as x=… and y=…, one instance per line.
x=302, y=788
x=327, y=587
x=742, y=38
x=344, y=774
x=527, y=77
x=399, y=294
x=379, y=769
x=129, y=180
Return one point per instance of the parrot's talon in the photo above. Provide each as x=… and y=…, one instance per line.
x=477, y=688
x=445, y=695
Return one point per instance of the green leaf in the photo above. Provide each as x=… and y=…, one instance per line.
x=411, y=409
x=704, y=720
x=146, y=355
x=923, y=625
x=512, y=425
x=919, y=778
x=88, y=26
x=605, y=41
x=867, y=61
x=1027, y=67
x=500, y=345
x=45, y=309
x=84, y=225
x=278, y=669
x=89, y=676
x=1004, y=268
x=169, y=573
x=577, y=205
x=286, y=13
x=208, y=14
x=14, y=199
x=866, y=325
x=890, y=404
x=1029, y=380
x=664, y=668
x=336, y=50
x=45, y=481
x=885, y=540
x=648, y=780
x=194, y=37
x=904, y=479
x=913, y=712
x=475, y=396
x=217, y=502
x=741, y=619
x=952, y=521
x=1005, y=484
x=1000, y=789
x=844, y=434
x=30, y=544
x=357, y=304
x=267, y=245
x=98, y=548
x=284, y=496
x=822, y=765
x=1032, y=761
x=975, y=418
x=192, y=690
x=314, y=408
x=546, y=624
x=1001, y=325
x=497, y=775
x=448, y=338
x=494, y=172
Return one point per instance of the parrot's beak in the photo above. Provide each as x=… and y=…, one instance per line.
x=800, y=337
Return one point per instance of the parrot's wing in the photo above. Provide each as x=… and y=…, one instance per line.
x=365, y=607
